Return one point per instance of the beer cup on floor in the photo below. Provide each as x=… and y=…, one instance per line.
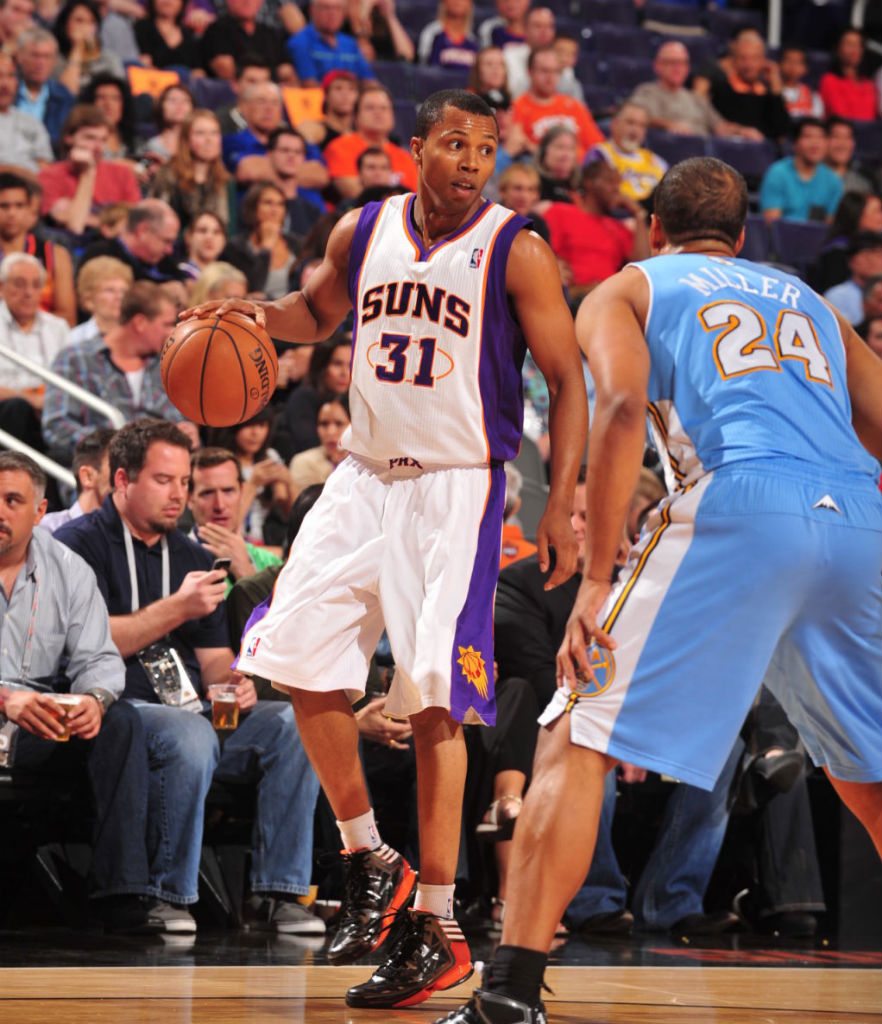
x=224, y=707
x=67, y=702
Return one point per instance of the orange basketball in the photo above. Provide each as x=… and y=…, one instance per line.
x=219, y=371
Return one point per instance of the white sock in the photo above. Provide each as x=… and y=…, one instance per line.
x=360, y=833
x=435, y=899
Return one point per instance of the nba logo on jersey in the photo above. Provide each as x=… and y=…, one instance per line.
x=477, y=256
x=251, y=649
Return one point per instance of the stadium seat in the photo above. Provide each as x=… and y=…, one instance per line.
x=626, y=73
x=722, y=23
x=752, y=159
x=622, y=40
x=415, y=16
x=405, y=120
x=797, y=242
x=868, y=141
x=601, y=100
x=212, y=93
x=673, y=13
x=614, y=12
x=427, y=80
x=757, y=241
x=587, y=68
x=396, y=75
x=675, y=148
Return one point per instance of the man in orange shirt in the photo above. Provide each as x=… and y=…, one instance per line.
x=542, y=107
x=374, y=120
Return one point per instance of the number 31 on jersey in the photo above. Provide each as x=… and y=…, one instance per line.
x=742, y=346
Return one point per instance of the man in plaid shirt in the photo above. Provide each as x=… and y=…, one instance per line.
x=122, y=368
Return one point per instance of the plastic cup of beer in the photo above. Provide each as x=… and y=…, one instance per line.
x=224, y=706
x=67, y=702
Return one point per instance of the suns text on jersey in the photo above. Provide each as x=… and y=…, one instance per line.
x=416, y=300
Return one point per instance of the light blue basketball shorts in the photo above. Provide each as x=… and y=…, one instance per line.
x=744, y=578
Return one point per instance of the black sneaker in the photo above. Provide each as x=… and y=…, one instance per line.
x=378, y=884
x=428, y=954
x=495, y=1008
x=129, y=915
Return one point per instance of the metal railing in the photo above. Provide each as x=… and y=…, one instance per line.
x=50, y=466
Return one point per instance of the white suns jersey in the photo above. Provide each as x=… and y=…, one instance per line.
x=437, y=353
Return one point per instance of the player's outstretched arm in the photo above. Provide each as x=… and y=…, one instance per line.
x=864, y=374
x=609, y=329
x=533, y=282
x=307, y=316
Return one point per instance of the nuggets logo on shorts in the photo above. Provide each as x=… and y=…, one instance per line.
x=473, y=668
x=603, y=666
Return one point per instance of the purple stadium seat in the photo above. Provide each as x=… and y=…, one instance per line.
x=757, y=241
x=868, y=141
x=672, y=13
x=623, y=40
x=427, y=80
x=675, y=148
x=396, y=75
x=752, y=159
x=601, y=100
x=626, y=73
x=722, y=23
x=415, y=16
x=798, y=242
x=614, y=12
x=405, y=120
x=211, y=93
x=588, y=68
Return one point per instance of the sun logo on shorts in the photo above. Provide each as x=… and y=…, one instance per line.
x=474, y=668
x=603, y=666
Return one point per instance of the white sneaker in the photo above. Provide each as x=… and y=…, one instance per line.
x=171, y=917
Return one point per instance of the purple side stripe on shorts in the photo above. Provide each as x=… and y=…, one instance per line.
x=471, y=662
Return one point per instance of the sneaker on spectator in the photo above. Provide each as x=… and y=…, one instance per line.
x=264, y=913
x=170, y=917
x=128, y=914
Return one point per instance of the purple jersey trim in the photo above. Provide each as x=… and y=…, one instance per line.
x=426, y=254
x=474, y=626
x=502, y=353
x=361, y=239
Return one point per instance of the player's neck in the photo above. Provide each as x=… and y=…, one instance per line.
x=699, y=247
x=432, y=224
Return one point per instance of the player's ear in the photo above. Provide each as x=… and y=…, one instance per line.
x=739, y=241
x=657, y=237
x=416, y=150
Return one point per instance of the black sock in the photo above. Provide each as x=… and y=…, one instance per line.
x=516, y=972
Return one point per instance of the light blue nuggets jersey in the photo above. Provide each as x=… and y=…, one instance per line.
x=747, y=364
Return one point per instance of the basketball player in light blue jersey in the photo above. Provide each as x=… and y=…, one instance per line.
x=762, y=565
x=449, y=290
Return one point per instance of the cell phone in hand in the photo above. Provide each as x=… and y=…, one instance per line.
x=221, y=563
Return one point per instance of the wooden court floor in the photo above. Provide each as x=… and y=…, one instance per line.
x=313, y=995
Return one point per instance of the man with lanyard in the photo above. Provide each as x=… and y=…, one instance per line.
x=168, y=620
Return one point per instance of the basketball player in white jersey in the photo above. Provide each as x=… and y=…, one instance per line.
x=762, y=565
x=448, y=291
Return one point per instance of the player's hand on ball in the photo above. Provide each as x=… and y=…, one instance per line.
x=201, y=592
x=582, y=628
x=220, y=307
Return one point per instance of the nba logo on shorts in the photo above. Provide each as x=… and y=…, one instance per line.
x=251, y=649
x=477, y=256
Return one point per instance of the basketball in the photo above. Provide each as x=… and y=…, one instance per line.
x=219, y=371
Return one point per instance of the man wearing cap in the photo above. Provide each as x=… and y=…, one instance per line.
x=338, y=109
x=321, y=46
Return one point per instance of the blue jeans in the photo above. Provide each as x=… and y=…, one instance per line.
x=184, y=756
x=673, y=883
x=116, y=761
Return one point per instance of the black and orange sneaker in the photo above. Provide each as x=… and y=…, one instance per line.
x=378, y=884
x=495, y=1008
x=428, y=954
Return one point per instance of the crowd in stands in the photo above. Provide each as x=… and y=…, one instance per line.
x=158, y=154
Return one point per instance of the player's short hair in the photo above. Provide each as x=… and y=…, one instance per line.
x=90, y=450
x=11, y=462
x=280, y=133
x=701, y=198
x=208, y=458
x=128, y=449
x=431, y=113
x=808, y=122
x=9, y=180
x=144, y=297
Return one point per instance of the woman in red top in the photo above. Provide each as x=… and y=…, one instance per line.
x=846, y=92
